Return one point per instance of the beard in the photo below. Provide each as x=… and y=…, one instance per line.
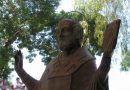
x=66, y=45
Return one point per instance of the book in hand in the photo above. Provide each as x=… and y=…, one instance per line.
x=110, y=36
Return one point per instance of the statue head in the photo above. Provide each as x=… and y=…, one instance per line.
x=69, y=34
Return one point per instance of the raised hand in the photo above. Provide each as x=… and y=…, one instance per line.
x=18, y=60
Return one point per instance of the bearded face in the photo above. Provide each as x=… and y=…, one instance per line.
x=66, y=39
x=67, y=36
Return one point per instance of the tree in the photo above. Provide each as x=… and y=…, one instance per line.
x=97, y=13
x=32, y=25
x=27, y=24
x=93, y=22
x=125, y=42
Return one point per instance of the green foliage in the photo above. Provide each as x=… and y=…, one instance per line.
x=27, y=23
x=96, y=15
x=126, y=61
x=5, y=55
x=93, y=23
x=31, y=24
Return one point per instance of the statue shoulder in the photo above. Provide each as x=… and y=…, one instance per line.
x=54, y=60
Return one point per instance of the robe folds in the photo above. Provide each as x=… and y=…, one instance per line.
x=76, y=72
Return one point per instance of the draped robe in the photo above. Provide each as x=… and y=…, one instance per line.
x=75, y=72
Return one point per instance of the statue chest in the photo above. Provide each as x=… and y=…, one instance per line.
x=70, y=78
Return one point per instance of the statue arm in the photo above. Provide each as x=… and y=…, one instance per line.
x=100, y=78
x=30, y=82
x=104, y=67
x=109, y=43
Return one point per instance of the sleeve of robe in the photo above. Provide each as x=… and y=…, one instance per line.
x=100, y=78
x=30, y=82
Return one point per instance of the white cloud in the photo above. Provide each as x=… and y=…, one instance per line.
x=65, y=5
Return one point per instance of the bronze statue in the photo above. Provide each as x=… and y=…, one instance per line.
x=74, y=68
